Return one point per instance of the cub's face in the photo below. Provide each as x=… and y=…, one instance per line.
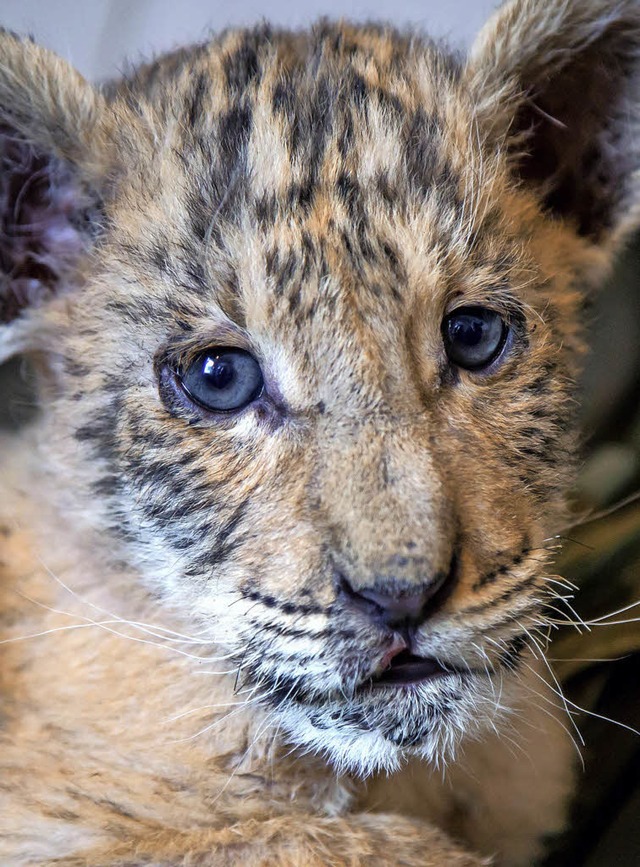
x=316, y=374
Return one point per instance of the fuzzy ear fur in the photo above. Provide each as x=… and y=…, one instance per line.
x=49, y=160
x=558, y=84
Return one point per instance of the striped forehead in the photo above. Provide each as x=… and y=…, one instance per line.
x=307, y=175
x=291, y=127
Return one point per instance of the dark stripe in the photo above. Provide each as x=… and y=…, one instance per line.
x=286, y=607
x=503, y=569
x=242, y=67
x=497, y=600
x=221, y=544
x=283, y=631
x=534, y=605
x=195, y=100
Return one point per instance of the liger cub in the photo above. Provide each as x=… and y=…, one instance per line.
x=304, y=309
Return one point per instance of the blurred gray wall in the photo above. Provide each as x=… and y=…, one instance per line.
x=98, y=35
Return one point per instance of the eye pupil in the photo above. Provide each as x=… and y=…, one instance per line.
x=474, y=337
x=219, y=372
x=467, y=330
x=222, y=379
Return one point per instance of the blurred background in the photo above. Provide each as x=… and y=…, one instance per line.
x=98, y=36
x=601, y=556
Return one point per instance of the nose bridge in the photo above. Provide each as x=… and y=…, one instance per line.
x=384, y=500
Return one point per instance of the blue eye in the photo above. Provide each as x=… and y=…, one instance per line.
x=223, y=379
x=473, y=337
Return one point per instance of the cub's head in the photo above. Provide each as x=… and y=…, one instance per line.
x=306, y=310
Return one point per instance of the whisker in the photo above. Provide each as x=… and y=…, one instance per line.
x=214, y=724
x=538, y=652
x=569, y=539
x=261, y=730
x=108, y=613
x=19, y=638
x=556, y=719
x=205, y=707
x=604, y=513
x=587, y=658
x=597, y=620
x=563, y=582
x=87, y=621
x=585, y=710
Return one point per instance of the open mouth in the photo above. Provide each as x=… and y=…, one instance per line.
x=407, y=668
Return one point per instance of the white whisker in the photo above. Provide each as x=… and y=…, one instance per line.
x=105, y=624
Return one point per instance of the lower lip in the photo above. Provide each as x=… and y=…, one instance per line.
x=411, y=672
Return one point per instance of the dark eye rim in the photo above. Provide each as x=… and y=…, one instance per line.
x=498, y=355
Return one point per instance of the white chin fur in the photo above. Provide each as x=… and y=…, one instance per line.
x=350, y=752
x=354, y=750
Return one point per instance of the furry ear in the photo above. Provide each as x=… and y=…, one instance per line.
x=557, y=82
x=49, y=164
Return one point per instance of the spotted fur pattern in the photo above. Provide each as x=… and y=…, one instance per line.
x=322, y=200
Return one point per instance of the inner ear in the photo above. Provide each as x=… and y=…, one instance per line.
x=576, y=136
x=47, y=221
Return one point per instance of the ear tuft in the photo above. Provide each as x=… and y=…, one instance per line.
x=50, y=162
x=46, y=100
x=46, y=222
x=558, y=84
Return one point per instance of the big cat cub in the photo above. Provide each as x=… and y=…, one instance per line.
x=275, y=557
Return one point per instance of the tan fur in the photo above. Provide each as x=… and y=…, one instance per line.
x=185, y=679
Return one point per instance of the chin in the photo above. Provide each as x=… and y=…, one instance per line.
x=379, y=729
